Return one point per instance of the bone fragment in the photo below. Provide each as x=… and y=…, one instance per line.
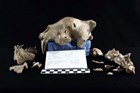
x=36, y=64
x=19, y=68
x=98, y=62
x=97, y=69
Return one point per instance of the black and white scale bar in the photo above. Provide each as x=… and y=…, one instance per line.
x=66, y=71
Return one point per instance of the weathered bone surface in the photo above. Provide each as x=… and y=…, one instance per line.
x=36, y=64
x=121, y=60
x=67, y=29
x=19, y=68
x=97, y=52
x=21, y=55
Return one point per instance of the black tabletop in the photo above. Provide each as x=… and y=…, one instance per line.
x=32, y=80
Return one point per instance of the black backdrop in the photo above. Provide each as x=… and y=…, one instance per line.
x=21, y=21
x=117, y=20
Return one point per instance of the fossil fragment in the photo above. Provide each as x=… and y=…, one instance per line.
x=97, y=69
x=125, y=62
x=19, y=68
x=108, y=66
x=36, y=64
x=122, y=60
x=97, y=52
x=118, y=69
x=109, y=73
x=129, y=66
x=21, y=55
x=129, y=69
x=98, y=62
x=116, y=56
x=111, y=54
x=67, y=29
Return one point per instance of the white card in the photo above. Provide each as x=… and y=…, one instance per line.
x=65, y=59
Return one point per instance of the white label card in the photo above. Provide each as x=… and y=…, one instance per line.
x=65, y=59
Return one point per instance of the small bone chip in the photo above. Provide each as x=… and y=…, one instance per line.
x=97, y=52
x=108, y=66
x=118, y=69
x=109, y=73
x=97, y=69
x=36, y=64
x=97, y=62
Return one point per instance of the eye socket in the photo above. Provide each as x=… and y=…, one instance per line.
x=74, y=25
x=65, y=31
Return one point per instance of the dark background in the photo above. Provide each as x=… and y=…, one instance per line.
x=21, y=21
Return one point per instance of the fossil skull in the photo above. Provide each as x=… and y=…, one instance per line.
x=67, y=29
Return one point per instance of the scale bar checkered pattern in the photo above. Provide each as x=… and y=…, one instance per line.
x=66, y=71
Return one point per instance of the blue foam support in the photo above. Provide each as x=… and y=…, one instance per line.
x=52, y=46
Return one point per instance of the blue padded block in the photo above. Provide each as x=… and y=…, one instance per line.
x=52, y=46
